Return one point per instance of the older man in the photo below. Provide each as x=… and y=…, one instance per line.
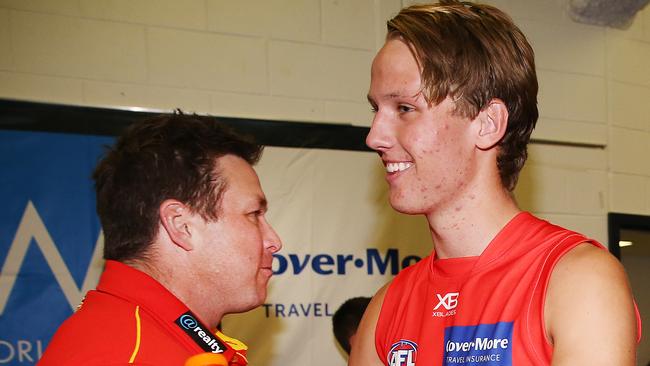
x=186, y=241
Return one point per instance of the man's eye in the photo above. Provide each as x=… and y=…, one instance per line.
x=405, y=108
x=256, y=213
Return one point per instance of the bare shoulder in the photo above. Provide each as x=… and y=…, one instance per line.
x=364, y=352
x=589, y=310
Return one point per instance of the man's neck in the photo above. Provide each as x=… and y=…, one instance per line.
x=179, y=282
x=468, y=225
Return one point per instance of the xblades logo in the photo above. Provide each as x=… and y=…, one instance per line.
x=449, y=302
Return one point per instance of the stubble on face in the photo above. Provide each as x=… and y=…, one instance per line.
x=238, y=263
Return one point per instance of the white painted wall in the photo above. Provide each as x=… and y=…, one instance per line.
x=308, y=60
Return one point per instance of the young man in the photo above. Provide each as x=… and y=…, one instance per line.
x=186, y=241
x=454, y=93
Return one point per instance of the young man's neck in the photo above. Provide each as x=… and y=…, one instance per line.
x=466, y=227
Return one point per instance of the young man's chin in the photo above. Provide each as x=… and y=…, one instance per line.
x=405, y=208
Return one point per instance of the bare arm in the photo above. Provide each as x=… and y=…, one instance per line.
x=589, y=311
x=364, y=352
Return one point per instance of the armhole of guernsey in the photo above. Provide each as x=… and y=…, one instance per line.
x=535, y=318
x=138, y=332
x=381, y=328
x=390, y=305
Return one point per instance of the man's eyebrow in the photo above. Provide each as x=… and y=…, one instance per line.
x=393, y=95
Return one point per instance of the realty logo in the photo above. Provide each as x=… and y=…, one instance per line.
x=200, y=333
x=449, y=301
x=188, y=322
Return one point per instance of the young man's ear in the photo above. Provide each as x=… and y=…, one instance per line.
x=176, y=221
x=493, y=124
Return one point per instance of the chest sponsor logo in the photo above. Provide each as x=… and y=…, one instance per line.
x=446, y=304
x=200, y=333
x=403, y=353
x=479, y=345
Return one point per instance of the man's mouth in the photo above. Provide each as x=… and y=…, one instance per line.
x=398, y=166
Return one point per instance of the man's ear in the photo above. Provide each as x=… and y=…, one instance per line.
x=176, y=217
x=493, y=124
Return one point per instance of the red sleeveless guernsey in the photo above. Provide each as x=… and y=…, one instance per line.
x=479, y=311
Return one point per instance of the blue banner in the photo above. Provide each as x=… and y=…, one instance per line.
x=50, y=237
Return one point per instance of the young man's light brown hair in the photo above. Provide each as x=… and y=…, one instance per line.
x=474, y=53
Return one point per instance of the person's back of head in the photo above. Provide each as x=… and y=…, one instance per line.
x=346, y=318
x=474, y=53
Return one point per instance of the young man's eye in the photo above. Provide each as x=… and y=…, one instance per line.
x=404, y=108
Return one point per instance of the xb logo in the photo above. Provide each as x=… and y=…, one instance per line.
x=449, y=301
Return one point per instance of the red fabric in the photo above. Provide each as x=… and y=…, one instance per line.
x=499, y=292
x=103, y=330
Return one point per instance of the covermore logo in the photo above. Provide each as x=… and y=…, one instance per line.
x=373, y=262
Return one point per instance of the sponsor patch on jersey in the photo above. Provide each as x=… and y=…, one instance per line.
x=479, y=345
x=201, y=334
x=446, y=305
x=402, y=353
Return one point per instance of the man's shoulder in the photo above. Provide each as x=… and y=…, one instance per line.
x=98, y=325
x=101, y=308
x=107, y=330
x=536, y=236
x=589, y=300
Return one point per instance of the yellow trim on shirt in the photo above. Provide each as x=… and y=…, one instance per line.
x=137, y=334
x=236, y=344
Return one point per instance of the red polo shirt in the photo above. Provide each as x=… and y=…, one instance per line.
x=131, y=319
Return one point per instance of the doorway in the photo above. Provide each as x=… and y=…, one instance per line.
x=629, y=241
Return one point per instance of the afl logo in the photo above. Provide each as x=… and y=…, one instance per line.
x=403, y=353
x=187, y=322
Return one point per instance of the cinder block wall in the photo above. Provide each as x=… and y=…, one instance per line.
x=308, y=60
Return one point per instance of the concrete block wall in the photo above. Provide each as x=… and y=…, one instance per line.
x=594, y=86
x=309, y=60
x=305, y=60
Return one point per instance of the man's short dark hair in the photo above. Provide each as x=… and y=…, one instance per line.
x=171, y=156
x=346, y=320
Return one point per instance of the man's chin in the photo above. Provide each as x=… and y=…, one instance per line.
x=404, y=208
